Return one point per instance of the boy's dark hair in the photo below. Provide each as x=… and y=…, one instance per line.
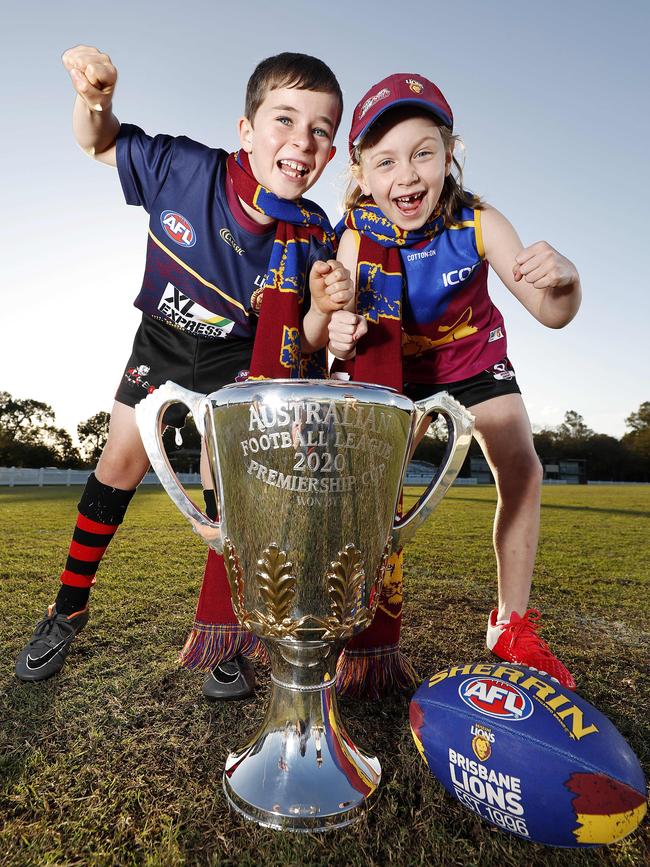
x=289, y=70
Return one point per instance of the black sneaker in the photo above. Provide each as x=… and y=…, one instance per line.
x=48, y=647
x=234, y=679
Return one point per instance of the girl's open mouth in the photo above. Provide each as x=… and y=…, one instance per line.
x=409, y=205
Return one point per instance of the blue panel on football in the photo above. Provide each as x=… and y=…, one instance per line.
x=528, y=755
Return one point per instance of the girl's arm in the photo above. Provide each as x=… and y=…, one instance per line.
x=331, y=289
x=346, y=327
x=543, y=280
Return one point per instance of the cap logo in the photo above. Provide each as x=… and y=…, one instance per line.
x=414, y=85
x=368, y=104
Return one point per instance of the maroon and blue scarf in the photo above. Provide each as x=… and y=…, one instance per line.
x=372, y=664
x=381, y=277
x=276, y=352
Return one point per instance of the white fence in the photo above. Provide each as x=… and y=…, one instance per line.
x=417, y=479
x=14, y=476
x=41, y=476
x=38, y=477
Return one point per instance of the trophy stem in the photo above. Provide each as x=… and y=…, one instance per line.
x=301, y=771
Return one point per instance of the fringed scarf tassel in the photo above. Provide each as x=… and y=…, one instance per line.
x=372, y=664
x=216, y=636
x=211, y=643
x=375, y=672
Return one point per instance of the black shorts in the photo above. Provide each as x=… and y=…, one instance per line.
x=161, y=352
x=496, y=380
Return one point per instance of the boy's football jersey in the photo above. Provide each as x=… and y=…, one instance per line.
x=204, y=271
x=452, y=330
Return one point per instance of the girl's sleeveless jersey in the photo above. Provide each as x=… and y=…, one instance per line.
x=451, y=328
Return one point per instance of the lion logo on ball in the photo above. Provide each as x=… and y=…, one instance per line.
x=482, y=748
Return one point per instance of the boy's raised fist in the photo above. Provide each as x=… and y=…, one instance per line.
x=330, y=286
x=92, y=74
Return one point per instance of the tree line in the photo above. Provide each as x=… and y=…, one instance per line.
x=606, y=458
x=29, y=437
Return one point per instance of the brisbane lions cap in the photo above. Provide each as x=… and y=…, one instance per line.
x=402, y=88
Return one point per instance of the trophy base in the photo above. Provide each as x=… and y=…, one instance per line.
x=301, y=771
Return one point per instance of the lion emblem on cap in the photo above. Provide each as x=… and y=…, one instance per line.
x=415, y=85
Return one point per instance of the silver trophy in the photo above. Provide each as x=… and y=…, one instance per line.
x=308, y=476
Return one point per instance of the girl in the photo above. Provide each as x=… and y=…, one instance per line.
x=420, y=245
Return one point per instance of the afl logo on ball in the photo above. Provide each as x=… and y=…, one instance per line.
x=178, y=228
x=496, y=698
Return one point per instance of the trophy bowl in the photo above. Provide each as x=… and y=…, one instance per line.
x=308, y=476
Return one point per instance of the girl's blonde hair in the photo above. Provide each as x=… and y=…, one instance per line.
x=453, y=196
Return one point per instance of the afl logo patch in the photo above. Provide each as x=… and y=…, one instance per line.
x=178, y=228
x=496, y=698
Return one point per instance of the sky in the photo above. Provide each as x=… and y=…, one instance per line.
x=550, y=100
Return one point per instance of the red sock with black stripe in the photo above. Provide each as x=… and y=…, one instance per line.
x=101, y=511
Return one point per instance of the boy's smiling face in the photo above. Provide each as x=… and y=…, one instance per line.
x=289, y=141
x=404, y=170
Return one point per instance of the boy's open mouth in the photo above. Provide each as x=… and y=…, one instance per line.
x=293, y=169
x=409, y=204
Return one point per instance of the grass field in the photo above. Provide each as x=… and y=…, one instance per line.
x=118, y=760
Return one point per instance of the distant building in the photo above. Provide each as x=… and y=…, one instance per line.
x=479, y=469
x=569, y=472
x=572, y=472
x=420, y=473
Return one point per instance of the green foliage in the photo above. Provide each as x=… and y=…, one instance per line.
x=639, y=442
x=638, y=439
x=29, y=437
x=573, y=427
x=24, y=419
x=639, y=420
x=93, y=434
x=607, y=459
x=118, y=760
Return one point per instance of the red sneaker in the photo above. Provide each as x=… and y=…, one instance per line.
x=517, y=641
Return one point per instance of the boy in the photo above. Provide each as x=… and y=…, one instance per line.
x=226, y=234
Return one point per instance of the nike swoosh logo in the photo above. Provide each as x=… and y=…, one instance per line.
x=40, y=661
x=224, y=677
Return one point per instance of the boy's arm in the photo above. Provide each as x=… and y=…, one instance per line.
x=93, y=77
x=331, y=289
x=543, y=280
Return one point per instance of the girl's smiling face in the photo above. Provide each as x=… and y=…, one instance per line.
x=404, y=170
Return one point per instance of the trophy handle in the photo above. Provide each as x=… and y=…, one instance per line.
x=460, y=424
x=148, y=414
